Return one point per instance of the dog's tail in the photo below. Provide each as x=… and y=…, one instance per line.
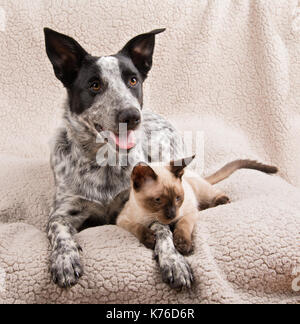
x=230, y=168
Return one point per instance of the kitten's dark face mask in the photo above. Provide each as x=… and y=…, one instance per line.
x=159, y=192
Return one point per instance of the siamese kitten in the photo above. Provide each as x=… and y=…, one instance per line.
x=168, y=195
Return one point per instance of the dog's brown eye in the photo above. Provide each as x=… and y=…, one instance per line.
x=133, y=81
x=96, y=86
x=157, y=200
x=98, y=127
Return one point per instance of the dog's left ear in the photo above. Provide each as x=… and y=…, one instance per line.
x=65, y=54
x=177, y=167
x=140, y=49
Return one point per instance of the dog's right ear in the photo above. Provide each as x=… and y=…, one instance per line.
x=140, y=49
x=141, y=174
x=65, y=54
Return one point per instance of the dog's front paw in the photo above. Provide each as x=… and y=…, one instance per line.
x=148, y=238
x=183, y=244
x=66, y=268
x=176, y=271
x=173, y=266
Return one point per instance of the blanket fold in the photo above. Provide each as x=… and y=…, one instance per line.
x=245, y=252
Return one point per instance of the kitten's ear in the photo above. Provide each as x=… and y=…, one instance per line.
x=141, y=174
x=177, y=167
x=140, y=49
x=65, y=54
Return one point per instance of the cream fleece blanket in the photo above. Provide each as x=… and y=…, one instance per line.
x=228, y=68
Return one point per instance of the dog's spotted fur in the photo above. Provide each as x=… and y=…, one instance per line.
x=175, y=270
x=88, y=194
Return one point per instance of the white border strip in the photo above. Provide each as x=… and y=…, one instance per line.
x=2, y=20
x=2, y=280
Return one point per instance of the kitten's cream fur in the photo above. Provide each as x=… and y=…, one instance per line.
x=168, y=195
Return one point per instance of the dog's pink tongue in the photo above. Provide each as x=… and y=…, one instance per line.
x=124, y=142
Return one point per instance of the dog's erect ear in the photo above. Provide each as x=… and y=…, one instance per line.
x=140, y=49
x=141, y=174
x=65, y=54
x=177, y=167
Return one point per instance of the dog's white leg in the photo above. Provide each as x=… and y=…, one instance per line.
x=68, y=216
x=174, y=268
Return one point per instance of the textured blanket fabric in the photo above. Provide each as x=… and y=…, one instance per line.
x=228, y=68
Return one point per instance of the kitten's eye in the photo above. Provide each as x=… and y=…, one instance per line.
x=133, y=81
x=178, y=199
x=158, y=200
x=96, y=86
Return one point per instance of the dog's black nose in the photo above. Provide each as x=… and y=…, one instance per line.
x=131, y=117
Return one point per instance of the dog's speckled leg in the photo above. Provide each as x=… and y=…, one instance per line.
x=66, y=219
x=65, y=266
x=174, y=268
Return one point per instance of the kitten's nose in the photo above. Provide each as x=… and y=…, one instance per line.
x=171, y=212
x=131, y=117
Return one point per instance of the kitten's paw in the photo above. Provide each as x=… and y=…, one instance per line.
x=221, y=200
x=183, y=245
x=148, y=238
x=66, y=268
x=176, y=272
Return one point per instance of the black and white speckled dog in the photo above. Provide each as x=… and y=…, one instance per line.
x=104, y=92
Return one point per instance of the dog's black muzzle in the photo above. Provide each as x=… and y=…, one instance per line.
x=131, y=117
